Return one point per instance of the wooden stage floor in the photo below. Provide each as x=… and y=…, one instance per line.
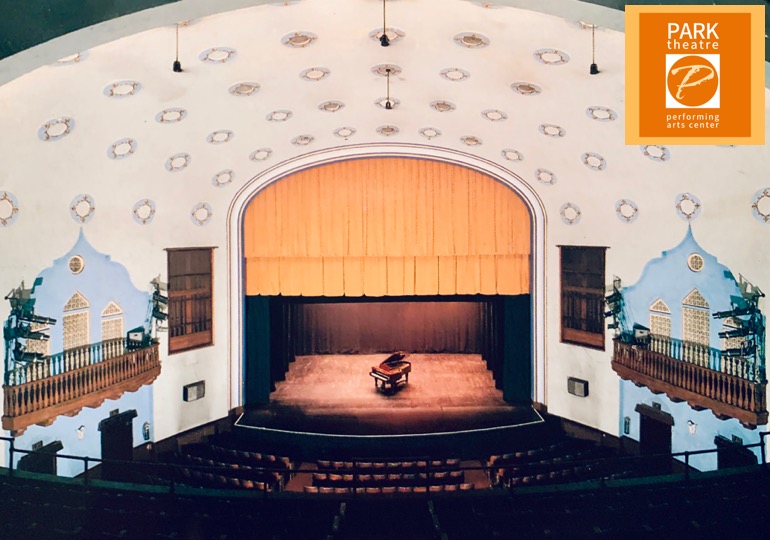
x=334, y=394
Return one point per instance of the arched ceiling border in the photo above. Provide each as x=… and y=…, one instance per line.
x=327, y=156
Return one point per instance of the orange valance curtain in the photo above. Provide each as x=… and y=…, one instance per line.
x=387, y=227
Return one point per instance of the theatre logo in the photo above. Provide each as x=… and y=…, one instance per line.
x=695, y=75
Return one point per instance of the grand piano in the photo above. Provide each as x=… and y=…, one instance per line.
x=391, y=373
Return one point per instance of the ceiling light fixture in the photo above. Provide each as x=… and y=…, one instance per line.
x=384, y=40
x=177, y=67
x=388, y=103
x=594, y=68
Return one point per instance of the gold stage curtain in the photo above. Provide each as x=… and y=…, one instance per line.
x=387, y=227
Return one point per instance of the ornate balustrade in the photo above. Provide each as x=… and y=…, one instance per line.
x=66, y=382
x=688, y=379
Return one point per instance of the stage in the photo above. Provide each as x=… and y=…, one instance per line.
x=332, y=400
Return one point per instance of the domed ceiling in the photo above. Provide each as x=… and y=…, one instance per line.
x=121, y=139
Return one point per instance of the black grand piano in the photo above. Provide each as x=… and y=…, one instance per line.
x=392, y=373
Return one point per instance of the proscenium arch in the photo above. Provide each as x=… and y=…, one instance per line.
x=235, y=237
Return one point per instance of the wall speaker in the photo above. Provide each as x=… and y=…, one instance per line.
x=191, y=392
x=577, y=387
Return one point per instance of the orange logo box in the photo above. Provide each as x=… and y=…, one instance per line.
x=695, y=75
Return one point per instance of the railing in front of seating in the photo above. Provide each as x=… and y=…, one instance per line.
x=720, y=387
x=74, y=374
x=170, y=475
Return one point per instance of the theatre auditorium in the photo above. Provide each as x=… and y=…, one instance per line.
x=368, y=269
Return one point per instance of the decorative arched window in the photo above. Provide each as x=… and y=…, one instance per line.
x=695, y=329
x=75, y=322
x=112, y=322
x=660, y=327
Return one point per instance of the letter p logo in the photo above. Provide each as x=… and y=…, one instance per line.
x=692, y=81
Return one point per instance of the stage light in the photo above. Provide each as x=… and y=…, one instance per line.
x=384, y=40
x=594, y=69
x=177, y=66
x=388, y=103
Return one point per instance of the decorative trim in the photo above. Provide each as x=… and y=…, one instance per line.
x=201, y=213
x=143, y=211
x=626, y=210
x=381, y=70
x=72, y=59
x=688, y=206
x=454, y=74
x=331, y=106
x=76, y=264
x=443, y=106
x=279, y=116
x=112, y=309
x=552, y=130
x=171, y=116
x=388, y=131
x=315, y=74
x=511, y=155
x=122, y=89
x=220, y=136
x=218, y=55
x=695, y=262
x=178, y=162
x=345, y=132
x=471, y=40
x=594, y=161
x=394, y=34
x=56, y=128
x=551, y=57
x=430, y=133
x=695, y=299
x=601, y=114
x=299, y=40
x=656, y=152
x=76, y=301
x=302, y=140
x=244, y=89
x=261, y=154
x=761, y=199
x=9, y=208
x=223, y=177
x=570, y=213
x=544, y=176
x=471, y=140
x=382, y=102
x=494, y=115
x=82, y=208
x=526, y=88
x=122, y=149
x=660, y=306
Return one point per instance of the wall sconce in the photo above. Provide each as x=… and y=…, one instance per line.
x=692, y=427
x=626, y=425
x=146, y=431
x=81, y=432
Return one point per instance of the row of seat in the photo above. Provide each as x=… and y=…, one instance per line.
x=388, y=467
x=242, y=457
x=392, y=479
x=388, y=489
x=197, y=478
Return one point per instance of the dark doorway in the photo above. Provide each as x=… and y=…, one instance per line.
x=733, y=454
x=42, y=460
x=117, y=445
x=655, y=437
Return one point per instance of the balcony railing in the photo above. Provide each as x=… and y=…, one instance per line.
x=693, y=373
x=66, y=382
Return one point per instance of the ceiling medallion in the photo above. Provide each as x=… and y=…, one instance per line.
x=143, y=211
x=494, y=115
x=470, y=140
x=122, y=89
x=345, y=132
x=298, y=39
x=122, y=149
x=511, y=155
x=602, y=114
x=471, y=40
x=626, y=210
x=454, y=74
x=388, y=130
x=56, y=128
x=302, y=140
x=222, y=178
x=443, y=106
x=72, y=58
x=315, y=73
x=178, y=162
x=260, y=154
x=383, y=102
x=170, y=116
x=430, y=133
x=570, y=213
x=394, y=34
x=279, y=116
x=552, y=130
x=526, y=88
x=201, y=213
x=382, y=69
x=544, y=176
x=82, y=208
x=594, y=161
x=331, y=106
x=551, y=57
x=217, y=55
x=655, y=152
x=687, y=206
x=220, y=136
x=244, y=89
x=760, y=205
x=9, y=208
